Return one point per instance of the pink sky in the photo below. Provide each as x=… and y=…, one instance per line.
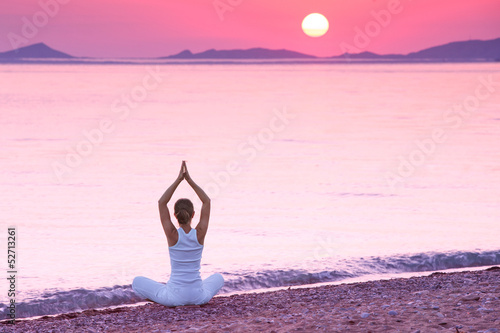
x=153, y=28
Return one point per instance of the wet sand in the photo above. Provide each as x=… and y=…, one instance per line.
x=451, y=302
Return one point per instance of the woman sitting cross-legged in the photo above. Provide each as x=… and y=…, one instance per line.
x=185, y=286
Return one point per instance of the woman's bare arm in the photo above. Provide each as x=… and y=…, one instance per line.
x=166, y=222
x=202, y=227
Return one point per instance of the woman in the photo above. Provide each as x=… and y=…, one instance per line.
x=185, y=286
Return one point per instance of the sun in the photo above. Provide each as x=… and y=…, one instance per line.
x=315, y=25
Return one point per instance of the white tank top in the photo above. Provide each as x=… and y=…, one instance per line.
x=185, y=260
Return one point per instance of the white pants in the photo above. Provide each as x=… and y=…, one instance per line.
x=170, y=295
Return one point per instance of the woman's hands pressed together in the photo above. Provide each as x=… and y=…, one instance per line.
x=181, y=175
x=184, y=173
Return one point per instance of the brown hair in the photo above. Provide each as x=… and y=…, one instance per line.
x=183, y=210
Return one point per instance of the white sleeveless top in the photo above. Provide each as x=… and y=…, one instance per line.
x=185, y=260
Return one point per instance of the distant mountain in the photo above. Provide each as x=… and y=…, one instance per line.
x=38, y=51
x=368, y=55
x=465, y=50
x=471, y=49
x=255, y=53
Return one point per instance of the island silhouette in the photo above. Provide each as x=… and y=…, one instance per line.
x=468, y=51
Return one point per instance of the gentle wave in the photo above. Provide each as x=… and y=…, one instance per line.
x=82, y=299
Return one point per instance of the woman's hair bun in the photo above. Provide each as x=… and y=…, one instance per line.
x=183, y=210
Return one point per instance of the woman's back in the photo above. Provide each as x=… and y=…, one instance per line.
x=185, y=259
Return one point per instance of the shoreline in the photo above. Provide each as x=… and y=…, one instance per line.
x=465, y=301
x=353, y=280
x=361, y=279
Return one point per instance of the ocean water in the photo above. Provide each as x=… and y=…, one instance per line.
x=317, y=172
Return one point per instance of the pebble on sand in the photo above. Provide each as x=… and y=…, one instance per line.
x=469, y=298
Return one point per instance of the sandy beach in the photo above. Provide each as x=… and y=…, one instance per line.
x=441, y=302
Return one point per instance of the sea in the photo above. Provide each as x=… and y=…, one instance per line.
x=318, y=172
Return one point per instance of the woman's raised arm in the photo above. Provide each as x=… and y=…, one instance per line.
x=166, y=222
x=202, y=227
